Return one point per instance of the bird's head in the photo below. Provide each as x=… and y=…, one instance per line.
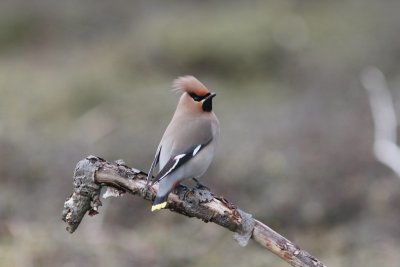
x=195, y=94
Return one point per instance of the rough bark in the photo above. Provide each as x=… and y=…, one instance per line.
x=92, y=173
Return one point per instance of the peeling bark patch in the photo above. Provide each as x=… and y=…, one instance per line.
x=287, y=256
x=245, y=230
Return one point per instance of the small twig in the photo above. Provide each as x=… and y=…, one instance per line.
x=92, y=173
x=386, y=149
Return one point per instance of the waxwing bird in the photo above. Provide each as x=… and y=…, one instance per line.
x=189, y=142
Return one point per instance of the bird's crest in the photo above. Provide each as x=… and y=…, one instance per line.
x=189, y=84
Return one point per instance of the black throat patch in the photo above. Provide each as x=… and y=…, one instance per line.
x=207, y=105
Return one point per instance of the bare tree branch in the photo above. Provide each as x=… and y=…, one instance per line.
x=92, y=173
x=386, y=149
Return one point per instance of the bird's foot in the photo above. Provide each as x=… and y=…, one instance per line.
x=199, y=185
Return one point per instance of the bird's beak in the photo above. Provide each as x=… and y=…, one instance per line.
x=212, y=94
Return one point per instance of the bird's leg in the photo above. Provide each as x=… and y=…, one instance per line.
x=180, y=190
x=199, y=185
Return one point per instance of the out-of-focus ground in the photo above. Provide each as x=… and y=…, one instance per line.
x=93, y=77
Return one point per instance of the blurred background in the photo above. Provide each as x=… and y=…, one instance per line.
x=94, y=77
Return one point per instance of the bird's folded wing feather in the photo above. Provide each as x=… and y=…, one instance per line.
x=153, y=164
x=178, y=160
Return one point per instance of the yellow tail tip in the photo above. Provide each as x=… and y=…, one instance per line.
x=159, y=206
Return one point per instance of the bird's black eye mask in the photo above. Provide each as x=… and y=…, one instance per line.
x=197, y=97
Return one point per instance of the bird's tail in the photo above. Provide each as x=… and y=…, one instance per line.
x=159, y=202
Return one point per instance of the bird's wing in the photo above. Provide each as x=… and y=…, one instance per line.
x=153, y=164
x=178, y=160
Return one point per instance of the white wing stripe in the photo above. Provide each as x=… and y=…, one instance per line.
x=196, y=150
x=176, y=158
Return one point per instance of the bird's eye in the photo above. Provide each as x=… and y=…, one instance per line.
x=198, y=98
x=195, y=97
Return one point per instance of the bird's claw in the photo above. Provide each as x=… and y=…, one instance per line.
x=200, y=186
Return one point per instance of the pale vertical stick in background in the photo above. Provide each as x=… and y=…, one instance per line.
x=386, y=149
